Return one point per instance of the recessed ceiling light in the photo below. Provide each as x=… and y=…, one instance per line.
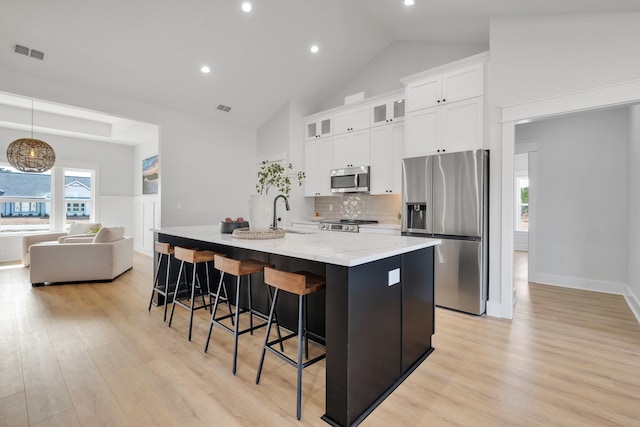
x=246, y=6
x=205, y=69
x=314, y=48
x=409, y=2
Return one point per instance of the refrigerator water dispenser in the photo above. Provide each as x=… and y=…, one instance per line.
x=417, y=216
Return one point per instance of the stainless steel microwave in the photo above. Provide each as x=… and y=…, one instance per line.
x=350, y=180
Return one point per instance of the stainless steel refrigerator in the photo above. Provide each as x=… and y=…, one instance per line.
x=446, y=196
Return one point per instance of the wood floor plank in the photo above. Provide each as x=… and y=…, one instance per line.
x=91, y=354
x=13, y=410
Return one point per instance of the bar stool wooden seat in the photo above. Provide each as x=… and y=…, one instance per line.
x=239, y=269
x=194, y=257
x=164, y=251
x=302, y=284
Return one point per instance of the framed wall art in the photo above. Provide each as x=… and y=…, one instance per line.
x=150, y=175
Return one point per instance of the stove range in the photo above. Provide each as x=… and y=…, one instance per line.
x=349, y=225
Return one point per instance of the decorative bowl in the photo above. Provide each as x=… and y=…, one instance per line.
x=228, y=227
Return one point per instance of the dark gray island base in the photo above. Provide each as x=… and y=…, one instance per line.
x=377, y=317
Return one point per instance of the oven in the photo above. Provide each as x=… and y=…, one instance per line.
x=348, y=225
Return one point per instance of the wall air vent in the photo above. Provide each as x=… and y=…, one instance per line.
x=224, y=108
x=23, y=50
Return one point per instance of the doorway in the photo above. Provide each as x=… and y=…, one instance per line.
x=625, y=93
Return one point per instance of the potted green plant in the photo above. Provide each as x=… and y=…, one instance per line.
x=270, y=175
x=278, y=176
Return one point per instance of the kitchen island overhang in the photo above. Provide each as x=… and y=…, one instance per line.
x=377, y=313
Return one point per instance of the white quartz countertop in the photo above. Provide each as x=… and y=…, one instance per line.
x=346, y=249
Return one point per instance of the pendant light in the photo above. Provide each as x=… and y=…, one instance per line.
x=29, y=154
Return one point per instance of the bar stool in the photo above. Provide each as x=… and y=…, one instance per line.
x=164, y=251
x=300, y=283
x=193, y=257
x=237, y=268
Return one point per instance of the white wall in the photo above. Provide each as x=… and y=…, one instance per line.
x=284, y=131
x=582, y=199
x=206, y=165
x=545, y=55
x=633, y=215
x=400, y=59
x=273, y=135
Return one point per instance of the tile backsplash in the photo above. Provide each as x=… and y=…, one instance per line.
x=383, y=208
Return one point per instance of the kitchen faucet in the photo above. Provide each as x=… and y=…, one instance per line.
x=286, y=205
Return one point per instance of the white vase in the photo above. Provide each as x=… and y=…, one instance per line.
x=260, y=212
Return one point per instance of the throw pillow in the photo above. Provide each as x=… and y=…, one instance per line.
x=109, y=234
x=83, y=227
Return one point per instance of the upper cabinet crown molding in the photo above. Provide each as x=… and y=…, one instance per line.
x=451, y=66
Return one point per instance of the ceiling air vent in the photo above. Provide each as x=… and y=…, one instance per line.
x=37, y=54
x=23, y=50
x=224, y=108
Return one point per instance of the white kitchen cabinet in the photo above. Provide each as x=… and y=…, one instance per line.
x=456, y=85
x=458, y=126
x=352, y=149
x=387, y=111
x=423, y=132
x=351, y=120
x=462, y=125
x=386, y=158
x=318, y=158
x=318, y=127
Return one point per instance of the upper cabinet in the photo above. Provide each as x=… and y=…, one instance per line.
x=351, y=149
x=318, y=162
x=387, y=144
x=318, y=127
x=456, y=85
x=445, y=110
x=387, y=111
x=450, y=128
x=351, y=120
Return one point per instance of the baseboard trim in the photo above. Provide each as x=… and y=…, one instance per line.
x=584, y=284
x=495, y=309
x=633, y=302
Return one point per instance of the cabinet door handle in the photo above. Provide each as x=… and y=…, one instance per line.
x=443, y=100
x=438, y=101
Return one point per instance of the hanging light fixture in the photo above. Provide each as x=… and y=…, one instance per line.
x=29, y=154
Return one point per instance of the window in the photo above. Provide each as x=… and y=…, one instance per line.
x=78, y=194
x=522, y=203
x=25, y=200
x=26, y=203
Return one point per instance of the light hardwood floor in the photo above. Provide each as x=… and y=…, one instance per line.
x=91, y=354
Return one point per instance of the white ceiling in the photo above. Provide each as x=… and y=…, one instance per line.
x=152, y=50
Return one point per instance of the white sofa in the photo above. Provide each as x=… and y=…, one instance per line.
x=76, y=229
x=82, y=259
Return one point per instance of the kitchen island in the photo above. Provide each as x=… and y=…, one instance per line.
x=377, y=313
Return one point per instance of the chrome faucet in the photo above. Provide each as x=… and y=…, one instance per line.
x=286, y=204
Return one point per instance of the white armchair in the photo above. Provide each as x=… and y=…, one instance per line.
x=75, y=229
x=101, y=258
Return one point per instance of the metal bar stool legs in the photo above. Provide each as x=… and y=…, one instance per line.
x=301, y=284
x=193, y=257
x=238, y=269
x=163, y=249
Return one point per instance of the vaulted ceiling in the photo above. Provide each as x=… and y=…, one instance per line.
x=152, y=50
